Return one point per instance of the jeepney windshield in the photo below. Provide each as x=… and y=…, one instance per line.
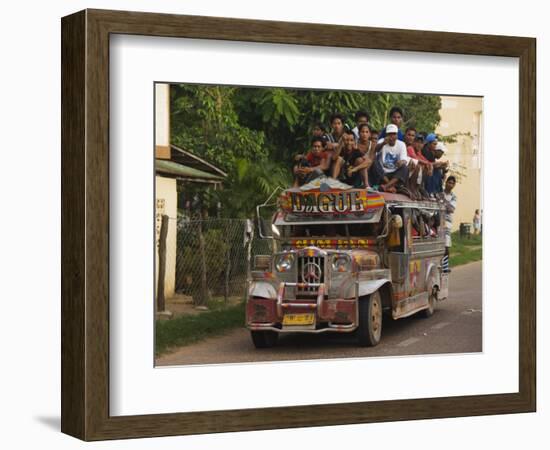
x=331, y=230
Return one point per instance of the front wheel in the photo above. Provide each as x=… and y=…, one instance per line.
x=264, y=339
x=369, y=331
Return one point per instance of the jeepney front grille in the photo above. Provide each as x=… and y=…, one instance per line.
x=311, y=269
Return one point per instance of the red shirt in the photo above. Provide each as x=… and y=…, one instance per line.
x=315, y=159
x=411, y=152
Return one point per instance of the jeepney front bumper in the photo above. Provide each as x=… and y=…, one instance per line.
x=309, y=315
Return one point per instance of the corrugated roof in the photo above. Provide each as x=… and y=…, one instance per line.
x=189, y=159
x=185, y=172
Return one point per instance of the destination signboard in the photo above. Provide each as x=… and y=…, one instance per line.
x=350, y=204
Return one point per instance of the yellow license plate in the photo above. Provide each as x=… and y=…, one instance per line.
x=299, y=319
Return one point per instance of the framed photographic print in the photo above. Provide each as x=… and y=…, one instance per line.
x=271, y=224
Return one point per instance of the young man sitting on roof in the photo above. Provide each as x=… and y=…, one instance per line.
x=433, y=151
x=419, y=166
x=396, y=118
x=337, y=122
x=314, y=164
x=351, y=165
x=389, y=169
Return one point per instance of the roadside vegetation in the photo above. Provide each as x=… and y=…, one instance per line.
x=190, y=328
x=465, y=249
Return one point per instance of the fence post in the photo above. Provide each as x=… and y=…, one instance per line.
x=248, y=238
x=162, y=264
x=202, y=298
x=227, y=271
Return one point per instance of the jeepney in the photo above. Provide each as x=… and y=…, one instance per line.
x=342, y=258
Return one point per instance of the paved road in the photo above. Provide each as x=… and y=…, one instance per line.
x=454, y=328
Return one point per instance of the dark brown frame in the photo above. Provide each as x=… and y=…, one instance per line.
x=85, y=224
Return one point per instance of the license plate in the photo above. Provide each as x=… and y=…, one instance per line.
x=299, y=319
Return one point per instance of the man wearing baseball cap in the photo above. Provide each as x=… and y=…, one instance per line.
x=389, y=169
x=430, y=142
x=433, y=151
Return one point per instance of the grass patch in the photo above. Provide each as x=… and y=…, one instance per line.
x=185, y=330
x=465, y=250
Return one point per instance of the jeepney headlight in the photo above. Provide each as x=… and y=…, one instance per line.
x=341, y=263
x=284, y=262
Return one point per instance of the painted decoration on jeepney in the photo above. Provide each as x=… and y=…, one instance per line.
x=366, y=261
x=414, y=274
x=409, y=233
x=331, y=243
x=330, y=202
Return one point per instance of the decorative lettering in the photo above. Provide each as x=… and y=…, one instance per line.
x=323, y=203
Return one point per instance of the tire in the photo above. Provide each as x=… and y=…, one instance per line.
x=432, y=302
x=369, y=331
x=264, y=339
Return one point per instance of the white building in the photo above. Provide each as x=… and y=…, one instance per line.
x=174, y=168
x=463, y=117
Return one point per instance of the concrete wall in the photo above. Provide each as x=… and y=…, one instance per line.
x=464, y=115
x=162, y=120
x=166, y=203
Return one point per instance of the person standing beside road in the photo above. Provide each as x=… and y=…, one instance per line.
x=477, y=222
x=448, y=197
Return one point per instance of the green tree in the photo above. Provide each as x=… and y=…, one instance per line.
x=421, y=111
x=203, y=120
x=250, y=184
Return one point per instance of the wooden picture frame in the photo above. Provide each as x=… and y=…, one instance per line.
x=85, y=224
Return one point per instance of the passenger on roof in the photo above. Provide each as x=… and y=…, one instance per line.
x=396, y=118
x=319, y=129
x=337, y=126
x=374, y=135
x=361, y=117
x=427, y=169
x=418, y=165
x=389, y=169
x=314, y=164
x=365, y=144
x=440, y=150
x=351, y=165
x=433, y=151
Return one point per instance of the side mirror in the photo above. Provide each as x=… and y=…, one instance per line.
x=264, y=225
x=264, y=216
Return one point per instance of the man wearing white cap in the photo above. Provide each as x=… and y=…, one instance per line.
x=434, y=151
x=390, y=165
x=441, y=167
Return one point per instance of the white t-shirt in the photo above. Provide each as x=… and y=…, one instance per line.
x=390, y=155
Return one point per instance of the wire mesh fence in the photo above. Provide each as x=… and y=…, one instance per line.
x=211, y=257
